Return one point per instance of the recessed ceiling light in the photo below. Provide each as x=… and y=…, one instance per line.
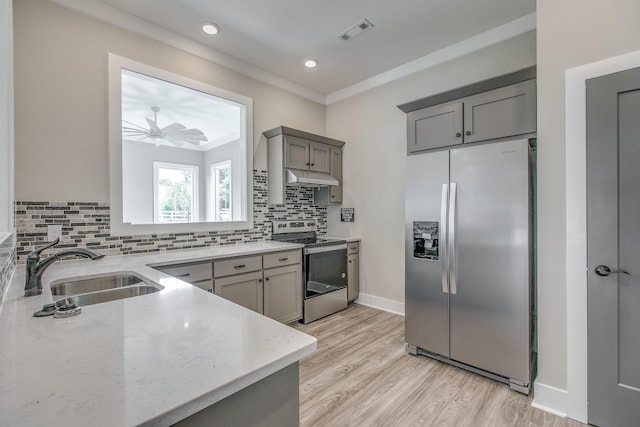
x=310, y=63
x=210, y=28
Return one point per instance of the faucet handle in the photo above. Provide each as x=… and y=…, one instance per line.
x=36, y=252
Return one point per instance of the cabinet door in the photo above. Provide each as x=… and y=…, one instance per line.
x=296, y=153
x=283, y=293
x=434, y=127
x=243, y=289
x=500, y=113
x=335, y=192
x=353, y=276
x=319, y=157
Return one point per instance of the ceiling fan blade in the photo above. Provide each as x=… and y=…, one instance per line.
x=153, y=126
x=133, y=125
x=173, y=128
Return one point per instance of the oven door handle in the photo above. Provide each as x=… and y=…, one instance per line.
x=320, y=249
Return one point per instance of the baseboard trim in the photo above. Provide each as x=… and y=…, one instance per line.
x=380, y=303
x=550, y=399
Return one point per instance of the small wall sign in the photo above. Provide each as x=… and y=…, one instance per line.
x=347, y=214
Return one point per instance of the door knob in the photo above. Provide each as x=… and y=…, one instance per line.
x=604, y=271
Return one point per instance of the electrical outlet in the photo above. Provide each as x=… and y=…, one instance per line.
x=54, y=231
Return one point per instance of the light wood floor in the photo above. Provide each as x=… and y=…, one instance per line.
x=360, y=375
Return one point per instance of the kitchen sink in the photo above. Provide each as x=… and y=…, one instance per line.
x=102, y=288
x=107, y=295
x=95, y=283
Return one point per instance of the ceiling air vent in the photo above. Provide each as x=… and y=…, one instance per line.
x=355, y=30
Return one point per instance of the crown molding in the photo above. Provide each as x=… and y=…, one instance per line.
x=490, y=37
x=115, y=16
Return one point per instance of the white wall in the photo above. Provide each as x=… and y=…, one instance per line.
x=137, y=177
x=6, y=118
x=570, y=33
x=374, y=159
x=61, y=99
x=230, y=151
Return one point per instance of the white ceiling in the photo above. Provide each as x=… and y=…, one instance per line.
x=217, y=118
x=278, y=35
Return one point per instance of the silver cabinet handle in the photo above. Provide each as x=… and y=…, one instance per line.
x=604, y=271
x=239, y=266
x=452, y=237
x=443, y=234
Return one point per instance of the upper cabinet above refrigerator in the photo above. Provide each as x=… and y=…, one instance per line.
x=491, y=110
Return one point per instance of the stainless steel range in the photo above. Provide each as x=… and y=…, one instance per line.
x=325, y=267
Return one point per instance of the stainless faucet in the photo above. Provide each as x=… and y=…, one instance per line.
x=35, y=266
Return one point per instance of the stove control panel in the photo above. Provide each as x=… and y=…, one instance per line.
x=296, y=226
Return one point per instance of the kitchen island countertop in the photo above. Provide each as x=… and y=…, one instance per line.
x=148, y=360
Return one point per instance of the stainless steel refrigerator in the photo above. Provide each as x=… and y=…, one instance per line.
x=468, y=265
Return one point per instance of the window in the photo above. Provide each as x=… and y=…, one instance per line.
x=158, y=116
x=175, y=193
x=221, y=173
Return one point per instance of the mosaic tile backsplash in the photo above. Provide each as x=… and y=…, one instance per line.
x=86, y=224
x=7, y=267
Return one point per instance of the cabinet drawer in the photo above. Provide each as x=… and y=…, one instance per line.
x=206, y=284
x=189, y=272
x=353, y=248
x=282, y=258
x=237, y=266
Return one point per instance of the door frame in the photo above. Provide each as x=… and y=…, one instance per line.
x=576, y=224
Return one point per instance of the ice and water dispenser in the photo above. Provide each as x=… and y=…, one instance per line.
x=425, y=239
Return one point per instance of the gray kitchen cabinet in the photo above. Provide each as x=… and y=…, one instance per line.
x=198, y=274
x=243, y=289
x=495, y=114
x=297, y=159
x=270, y=284
x=500, y=113
x=331, y=195
x=306, y=155
x=240, y=280
x=283, y=293
x=435, y=127
x=353, y=270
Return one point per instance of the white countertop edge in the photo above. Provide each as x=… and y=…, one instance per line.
x=14, y=303
x=215, y=396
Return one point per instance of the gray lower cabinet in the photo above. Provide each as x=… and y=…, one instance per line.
x=270, y=284
x=243, y=289
x=353, y=270
x=283, y=293
x=500, y=113
x=198, y=274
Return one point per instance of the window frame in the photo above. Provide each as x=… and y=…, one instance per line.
x=214, y=175
x=117, y=226
x=195, y=202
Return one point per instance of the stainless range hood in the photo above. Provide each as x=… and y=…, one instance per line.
x=305, y=178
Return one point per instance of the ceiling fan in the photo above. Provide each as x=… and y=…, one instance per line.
x=175, y=133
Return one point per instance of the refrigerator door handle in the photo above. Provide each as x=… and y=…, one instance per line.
x=452, y=237
x=443, y=237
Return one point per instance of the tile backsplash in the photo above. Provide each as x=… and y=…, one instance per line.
x=86, y=224
x=7, y=267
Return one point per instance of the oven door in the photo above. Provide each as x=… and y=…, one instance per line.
x=325, y=269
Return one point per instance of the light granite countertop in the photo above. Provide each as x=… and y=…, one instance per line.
x=148, y=360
